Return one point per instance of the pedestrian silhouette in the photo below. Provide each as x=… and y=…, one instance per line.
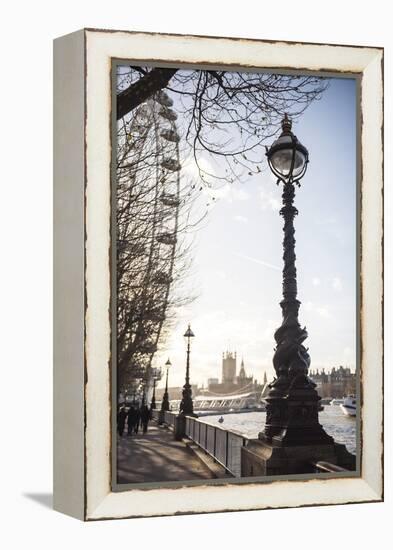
x=131, y=419
x=121, y=420
x=145, y=417
x=137, y=419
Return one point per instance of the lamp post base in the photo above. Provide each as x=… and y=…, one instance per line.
x=292, y=419
x=260, y=458
x=293, y=439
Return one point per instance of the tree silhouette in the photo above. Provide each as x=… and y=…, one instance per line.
x=219, y=119
x=226, y=114
x=152, y=216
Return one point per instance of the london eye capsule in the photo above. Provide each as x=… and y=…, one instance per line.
x=170, y=199
x=171, y=164
x=167, y=113
x=167, y=238
x=162, y=278
x=170, y=135
x=163, y=99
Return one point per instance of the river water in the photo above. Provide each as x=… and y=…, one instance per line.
x=342, y=428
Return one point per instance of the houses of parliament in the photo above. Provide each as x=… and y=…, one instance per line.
x=336, y=383
x=230, y=380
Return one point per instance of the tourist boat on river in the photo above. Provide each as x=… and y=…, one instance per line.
x=336, y=401
x=349, y=406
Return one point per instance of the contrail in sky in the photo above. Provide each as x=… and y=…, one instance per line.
x=259, y=262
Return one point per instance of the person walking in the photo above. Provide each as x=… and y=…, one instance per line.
x=130, y=420
x=121, y=420
x=145, y=417
x=137, y=419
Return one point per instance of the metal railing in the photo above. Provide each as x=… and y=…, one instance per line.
x=169, y=418
x=223, y=445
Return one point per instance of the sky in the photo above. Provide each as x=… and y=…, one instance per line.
x=237, y=267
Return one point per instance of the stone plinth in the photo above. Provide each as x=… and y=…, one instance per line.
x=260, y=458
x=161, y=417
x=179, y=429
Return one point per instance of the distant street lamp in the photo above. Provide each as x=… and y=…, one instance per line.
x=153, y=399
x=186, y=405
x=292, y=402
x=165, y=399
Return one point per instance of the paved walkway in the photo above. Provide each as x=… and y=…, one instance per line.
x=156, y=457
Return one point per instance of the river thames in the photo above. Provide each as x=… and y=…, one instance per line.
x=342, y=428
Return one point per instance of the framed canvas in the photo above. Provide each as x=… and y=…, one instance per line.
x=183, y=381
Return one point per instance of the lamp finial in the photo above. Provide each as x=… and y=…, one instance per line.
x=286, y=124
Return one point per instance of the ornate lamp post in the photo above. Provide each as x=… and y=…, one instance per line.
x=292, y=402
x=153, y=399
x=165, y=398
x=186, y=405
x=293, y=441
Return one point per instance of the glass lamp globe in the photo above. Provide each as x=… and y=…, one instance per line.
x=287, y=156
x=188, y=335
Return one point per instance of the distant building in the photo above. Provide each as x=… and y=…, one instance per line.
x=242, y=379
x=339, y=382
x=231, y=382
x=228, y=367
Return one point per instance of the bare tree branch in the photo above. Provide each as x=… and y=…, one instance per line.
x=142, y=89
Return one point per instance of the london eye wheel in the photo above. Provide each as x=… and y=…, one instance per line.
x=148, y=207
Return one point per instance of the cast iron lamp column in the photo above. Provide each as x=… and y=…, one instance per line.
x=153, y=399
x=292, y=402
x=165, y=398
x=186, y=405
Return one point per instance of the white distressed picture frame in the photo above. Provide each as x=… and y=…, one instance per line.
x=82, y=334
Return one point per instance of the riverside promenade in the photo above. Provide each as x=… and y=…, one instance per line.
x=156, y=457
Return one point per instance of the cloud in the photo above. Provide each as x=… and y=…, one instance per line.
x=337, y=284
x=241, y=219
x=239, y=194
x=269, y=201
x=228, y=192
x=258, y=261
x=221, y=274
x=268, y=332
x=190, y=168
x=322, y=311
x=316, y=281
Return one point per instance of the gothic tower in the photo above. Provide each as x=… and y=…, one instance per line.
x=242, y=374
x=228, y=367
